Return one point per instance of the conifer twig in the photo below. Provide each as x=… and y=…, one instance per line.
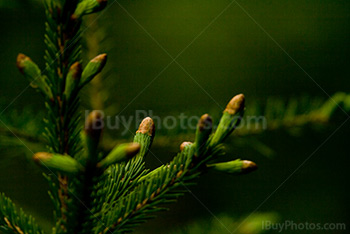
x=93, y=192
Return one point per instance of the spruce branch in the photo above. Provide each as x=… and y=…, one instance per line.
x=97, y=192
x=60, y=84
x=122, y=178
x=159, y=186
x=14, y=222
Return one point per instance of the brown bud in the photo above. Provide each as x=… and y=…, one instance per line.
x=184, y=144
x=76, y=70
x=57, y=162
x=235, y=105
x=41, y=156
x=94, y=67
x=21, y=59
x=101, y=59
x=147, y=127
x=205, y=123
x=94, y=124
x=248, y=166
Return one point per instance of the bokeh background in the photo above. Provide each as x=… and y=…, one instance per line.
x=281, y=49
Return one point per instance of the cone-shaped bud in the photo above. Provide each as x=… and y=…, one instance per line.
x=73, y=79
x=235, y=105
x=56, y=162
x=119, y=154
x=94, y=124
x=144, y=135
x=248, y=166
x=147, y=127
x=94, y=67
x=204, y=128
x=230, y=119
x=33, y=74
x=93, y=129
x=27, y=67
x=89, y=6
x=235, y=167
x=185, y=144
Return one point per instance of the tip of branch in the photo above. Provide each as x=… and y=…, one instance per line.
x=94, y=124
x=41, y=156
x=147, y=127
x=102, y=58
x=184, y=144
x=205, y=122
x=21, y=58
x=76, y=70
x=235, y=105
x=248, y=166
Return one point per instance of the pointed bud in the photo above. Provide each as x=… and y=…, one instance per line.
x=204, y=128
x=147, y=127
x=73, y=79
x=94, y=67
x=119, y=154
x=248, y=166
x=93, y=129
x=88, y=7
x=33, y=74
x=236, y=167
x=185, y=144
x=235, y=105
x=56, y=162
x=230, y=119
x=94, y=124
x=144, y=135
x=27, y=67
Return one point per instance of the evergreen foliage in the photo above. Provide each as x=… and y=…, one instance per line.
x=98, y=192
x=94, y=192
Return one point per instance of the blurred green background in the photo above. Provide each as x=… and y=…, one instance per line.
x=260, y=48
